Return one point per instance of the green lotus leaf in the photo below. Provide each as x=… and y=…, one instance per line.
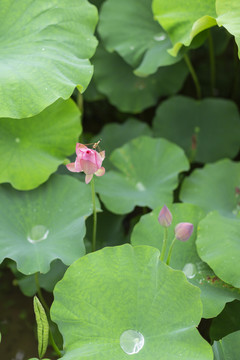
x=228, y=348
x=214, y=293
x=147, y=174
x=218, y=245
x=129, y=93
x=47, y=223
x=205, y=120
x=184, y=21
x=228, y=16
x=122, y=300
x=147, y=46
x=45, y=47
x=115, y=135
x=226, y=322
x=31, y=149
x=212, y=188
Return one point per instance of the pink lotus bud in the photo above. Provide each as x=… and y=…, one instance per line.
x=89, y=161
x=165, y=217
x=183, y=231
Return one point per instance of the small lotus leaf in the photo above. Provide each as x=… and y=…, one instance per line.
x=31, y=149
x=147, y=174
x=44, y=224
x=46, y=281
x=181, y=119
x=218, y=244
x=114, y=290
x=215, y=187
x=214, y=293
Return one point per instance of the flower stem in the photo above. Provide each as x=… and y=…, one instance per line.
x=94, y=217
x=194, y=76
x=170, y=251
x=39, y=292
x=212, y=62
x=164, y=245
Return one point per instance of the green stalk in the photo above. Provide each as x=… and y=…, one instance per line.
x=54, y=345
x=164, y=245
x=194, y=76
x=94, y=216
x=170, y=251
x=212, y=62
x=236, y=65
x=39, y=292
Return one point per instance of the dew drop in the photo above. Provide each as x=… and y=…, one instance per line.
x=190, y=270
x=17, y=140
x=37, y=233
x=131, y=341
x=140, y=186
x=159, y=37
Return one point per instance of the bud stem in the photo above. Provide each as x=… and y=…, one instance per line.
x=164, y=245
x=170, y=251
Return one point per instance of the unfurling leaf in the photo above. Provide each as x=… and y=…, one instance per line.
x=42, y=327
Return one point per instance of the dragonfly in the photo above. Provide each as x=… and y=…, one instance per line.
x=95, y=145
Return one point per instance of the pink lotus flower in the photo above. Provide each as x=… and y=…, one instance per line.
x=183, y=231
x=165, y=217
x=89, y=161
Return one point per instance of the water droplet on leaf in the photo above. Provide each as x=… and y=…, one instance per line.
x=140, y=186
x=131, y=341
x=38, y=233
x=190, y=270
x=160, y=37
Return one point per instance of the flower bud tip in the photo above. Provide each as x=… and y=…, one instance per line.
x=165, y=217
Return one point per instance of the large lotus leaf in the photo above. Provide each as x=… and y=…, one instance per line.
x=128, y=28
x=148, y=174
x=228, y=348
x=45, y=46
x=122, y=301
x=214, y=293
x=218, y=244
x=226, y=322
x=183, y=21
x=115, y=135
x=178, y=118
x=215, y=187
x=128, y=92
x=31, y=149
x=228, y=16
x=44, y=224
